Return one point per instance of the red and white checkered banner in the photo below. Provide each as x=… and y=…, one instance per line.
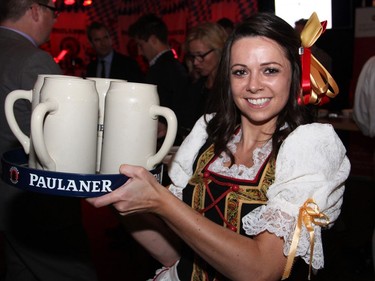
x=245, y=9
x=179, y=16
x=106, y=11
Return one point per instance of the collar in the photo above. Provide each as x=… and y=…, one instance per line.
x=28, y=37
x=153, y=61
x=108, y=58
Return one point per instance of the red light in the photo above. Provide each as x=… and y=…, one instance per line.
x=61, y=56
x=87, y=3
x=174, y=53
x=69, y=2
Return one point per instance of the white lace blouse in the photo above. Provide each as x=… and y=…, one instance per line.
x=311, y=164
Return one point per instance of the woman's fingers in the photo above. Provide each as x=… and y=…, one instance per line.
x=139, y=175
x=104, y=200
x=133, y=171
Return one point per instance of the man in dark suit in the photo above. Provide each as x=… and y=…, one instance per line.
x=109, y=63
x=43, y=235
x=171, y=77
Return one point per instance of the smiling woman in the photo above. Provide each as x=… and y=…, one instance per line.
x=261, y=86
x=254, y=183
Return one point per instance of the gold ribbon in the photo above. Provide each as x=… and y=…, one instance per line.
x=309, y=215
x=317, y=83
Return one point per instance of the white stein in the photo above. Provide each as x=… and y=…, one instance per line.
x=32, y=96
x=130, y=127
x=64, y=125
x=102, y=86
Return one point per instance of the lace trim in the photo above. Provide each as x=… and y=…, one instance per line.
x=176, y=191
x=166, y=273
x=240, y=171
x=282, y=225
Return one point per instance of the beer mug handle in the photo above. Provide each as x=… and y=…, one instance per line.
x=168, y=114
x=11, y=98
x=37, y=121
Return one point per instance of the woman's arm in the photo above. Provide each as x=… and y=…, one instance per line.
x=237, y=257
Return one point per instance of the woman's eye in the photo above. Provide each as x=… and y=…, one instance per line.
x=271, y=70
x=238, y=72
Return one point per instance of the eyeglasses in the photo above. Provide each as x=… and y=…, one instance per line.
x=54, y=10
x=199, y=58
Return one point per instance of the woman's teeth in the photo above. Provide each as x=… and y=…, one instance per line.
x=258, y=101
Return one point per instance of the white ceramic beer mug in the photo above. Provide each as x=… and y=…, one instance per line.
x=102, y=86
x=32, y=96
x=64, y=125
x=130, y=127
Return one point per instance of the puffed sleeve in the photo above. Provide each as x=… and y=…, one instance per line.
x=311, y=164
x=181, y=168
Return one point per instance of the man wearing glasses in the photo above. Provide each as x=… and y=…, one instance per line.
x=42, y=235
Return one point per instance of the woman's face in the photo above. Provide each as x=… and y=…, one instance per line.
x=260, y=76
x=207, y=64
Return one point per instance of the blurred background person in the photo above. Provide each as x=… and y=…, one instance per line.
x=204, y=44
x=110, y=63
x=364, y=99
x=227, y=24
x=364, y=112
x=151, y=34
x=43, y=235
x=132, y=49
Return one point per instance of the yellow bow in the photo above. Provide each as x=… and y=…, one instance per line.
x=317, y=83
x=309, y=215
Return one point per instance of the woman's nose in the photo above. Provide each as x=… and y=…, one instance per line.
x=254, y=84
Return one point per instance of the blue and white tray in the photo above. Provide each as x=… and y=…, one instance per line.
x=15, y=172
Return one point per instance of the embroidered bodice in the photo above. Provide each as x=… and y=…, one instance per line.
x=311, y=164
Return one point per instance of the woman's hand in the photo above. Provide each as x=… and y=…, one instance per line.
x=143, y=194
x=139, y=194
